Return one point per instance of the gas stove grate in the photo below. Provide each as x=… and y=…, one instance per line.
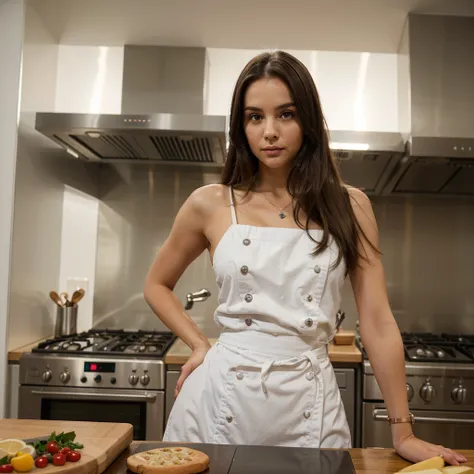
x=110, y=342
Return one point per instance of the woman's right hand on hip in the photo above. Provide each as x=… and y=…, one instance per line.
x=194, y=361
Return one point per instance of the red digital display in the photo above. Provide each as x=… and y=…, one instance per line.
x=99, y=367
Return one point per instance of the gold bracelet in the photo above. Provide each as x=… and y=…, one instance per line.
x=407, y=419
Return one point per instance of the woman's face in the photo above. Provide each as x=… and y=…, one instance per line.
x=271, y=123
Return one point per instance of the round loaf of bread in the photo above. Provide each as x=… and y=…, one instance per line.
x=170, y=460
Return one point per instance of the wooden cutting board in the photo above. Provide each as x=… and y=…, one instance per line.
x=103, y=442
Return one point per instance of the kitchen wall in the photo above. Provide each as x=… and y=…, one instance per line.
x=11, y=40
x=426, y=242
x=54, y=226
x=358, y=91
x=137, y=208
x=428, y=261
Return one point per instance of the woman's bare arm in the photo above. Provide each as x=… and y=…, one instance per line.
x=184, y=244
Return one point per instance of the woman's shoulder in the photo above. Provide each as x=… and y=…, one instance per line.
x=357, y=197
x=207, y=199
x=361, y=206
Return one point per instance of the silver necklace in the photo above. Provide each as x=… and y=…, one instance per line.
x=280, y=210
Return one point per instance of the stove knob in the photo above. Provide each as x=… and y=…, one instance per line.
x=410, y=391
x=83, y=379
x=98, y=378
x=145, y=379
x=133, y=379
x=47, y=375
x=459, y=394
x=113, y=380
x=427, y=392
x=65, y=377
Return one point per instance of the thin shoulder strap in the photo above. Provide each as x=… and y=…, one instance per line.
x=232, y=206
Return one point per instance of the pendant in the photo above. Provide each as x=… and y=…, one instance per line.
x=282, y=215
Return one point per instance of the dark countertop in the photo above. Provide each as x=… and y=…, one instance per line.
x=365, y=461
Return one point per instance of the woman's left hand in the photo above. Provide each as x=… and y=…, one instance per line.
x=416, y=450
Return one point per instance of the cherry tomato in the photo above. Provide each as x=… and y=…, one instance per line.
x=6, y=468
x=59, y=459
x=74, y=456
x=52, y=447
x=41, y=461
x=65, y=451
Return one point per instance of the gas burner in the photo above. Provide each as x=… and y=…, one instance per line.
x=103, y=342
x=438, y=348
x=428, y=352
x=428, y=347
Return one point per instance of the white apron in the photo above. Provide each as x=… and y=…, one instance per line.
x=268, y=379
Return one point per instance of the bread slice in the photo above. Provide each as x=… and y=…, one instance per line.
x=170, y=460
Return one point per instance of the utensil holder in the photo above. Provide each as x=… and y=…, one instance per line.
x=66, y=321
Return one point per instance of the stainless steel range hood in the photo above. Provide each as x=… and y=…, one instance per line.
x=436, y=96
x=162, y=121
x=162, y=117
x=367, y=159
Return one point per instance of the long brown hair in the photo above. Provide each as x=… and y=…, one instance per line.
x=314, y=180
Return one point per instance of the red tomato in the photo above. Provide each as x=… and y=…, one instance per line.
x=52, y=447
x=6, y=468
x=65, y=451
x=41, y=461
x=74, y=456
x=59, y=459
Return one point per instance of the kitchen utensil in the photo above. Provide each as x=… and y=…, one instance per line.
x=66, y=321
x=64, y=298
x=56, y=298
x=340, y=316
x=77, y=296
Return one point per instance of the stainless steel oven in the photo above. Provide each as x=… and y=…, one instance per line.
x=440, y=391
x=100, y=375
x=454, y=429
x=143, y=409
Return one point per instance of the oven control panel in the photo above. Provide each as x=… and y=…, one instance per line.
x=432, y=386
x=92, y=373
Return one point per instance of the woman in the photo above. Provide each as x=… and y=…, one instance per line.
x=282, y=231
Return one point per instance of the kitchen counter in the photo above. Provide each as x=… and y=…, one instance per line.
x=179, y=353
x=366, y=461
x=15, y=354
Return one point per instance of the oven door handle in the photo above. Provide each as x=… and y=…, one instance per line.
x=149, y=398
x=382, y=415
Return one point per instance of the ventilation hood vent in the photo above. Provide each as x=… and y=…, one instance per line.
x=162, y=117
x=436, y=67
x=170, y=138
x=367, y=159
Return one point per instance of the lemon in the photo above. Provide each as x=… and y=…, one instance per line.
x=28, y=449
x=3, y=453
x=12, y=446
x=23, y=463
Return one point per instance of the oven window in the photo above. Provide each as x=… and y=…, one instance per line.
x=92, y=410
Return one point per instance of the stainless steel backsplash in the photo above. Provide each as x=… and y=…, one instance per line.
x=426, y=245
